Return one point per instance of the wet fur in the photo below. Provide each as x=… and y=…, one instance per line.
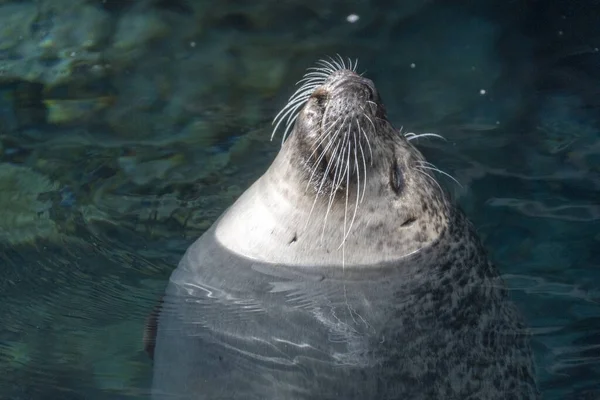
x=342, y=136
x=455, y=320
x=416, y=311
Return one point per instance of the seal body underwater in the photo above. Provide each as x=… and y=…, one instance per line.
x=343, y=272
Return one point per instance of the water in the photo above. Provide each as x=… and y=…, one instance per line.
x=109, y=174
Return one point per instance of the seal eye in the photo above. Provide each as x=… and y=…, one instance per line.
x=396, y=178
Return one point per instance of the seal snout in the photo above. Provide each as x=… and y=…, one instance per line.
x=346, y=83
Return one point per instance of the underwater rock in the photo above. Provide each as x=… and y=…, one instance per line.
x=61, y=111
x=15, y=22
x=190, y=54
x=143, y=172
x=72, y=27
x=8, y=118
x=47, y=42
x=134, y=32
x=24, y=217
x=150, y=51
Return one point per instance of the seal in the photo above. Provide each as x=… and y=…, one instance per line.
x=343, y=272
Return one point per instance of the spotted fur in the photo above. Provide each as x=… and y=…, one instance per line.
x=267, y=305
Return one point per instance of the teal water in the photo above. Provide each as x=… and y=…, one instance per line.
x=109, y=173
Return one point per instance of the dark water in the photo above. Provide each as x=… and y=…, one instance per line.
x=108, y=173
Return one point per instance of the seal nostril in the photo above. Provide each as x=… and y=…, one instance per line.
x=320, y=97
x=371, y=94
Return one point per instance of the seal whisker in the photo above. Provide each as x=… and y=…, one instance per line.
x=370, y=120
x=290, y=113
x=342, y=61
x=343, y=244
x=303, y=97
x=299, y=99
x=334, y=140
x=333, y=159
x=281, y=114
x=335, y=185
x=323, y=179
x=319, y=69
x=308, y=80
x=414, y=136
x=357, y=187
x=328, y=132
x=303, y=91
x=340, y=64
x=287, y=111
x=317, y=72
x=430, y=177
x=321, y=76
x=290, y=107
x=295, y=103
x=368, y=143
x=428, y=165
x=337, y=178
x=364, y=163
x=326, y=173
x=323, y=136
x=306, y=85
x=312, y=79
x=331, y=136
x=326, y=63
x=288, y=127
x=347, y=173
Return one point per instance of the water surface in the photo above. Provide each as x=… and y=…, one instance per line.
x=108, y=175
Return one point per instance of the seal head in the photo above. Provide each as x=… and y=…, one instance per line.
x=345, y=180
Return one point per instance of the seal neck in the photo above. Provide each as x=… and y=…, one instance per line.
x=278, y=220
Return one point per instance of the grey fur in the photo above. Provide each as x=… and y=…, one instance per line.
x=265, y=305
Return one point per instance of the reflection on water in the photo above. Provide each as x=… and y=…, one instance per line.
x=126, y=128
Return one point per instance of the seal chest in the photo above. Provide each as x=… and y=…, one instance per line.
x=343, y=272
